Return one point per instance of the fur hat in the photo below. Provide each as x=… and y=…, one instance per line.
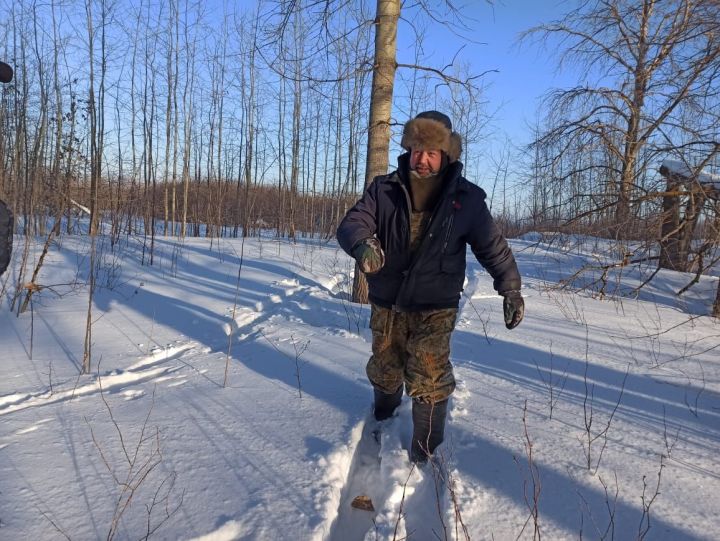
x=432, y=130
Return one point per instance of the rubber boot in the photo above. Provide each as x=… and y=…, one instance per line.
x=428, y=429
x=386, y=404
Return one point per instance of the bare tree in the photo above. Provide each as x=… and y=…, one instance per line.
x=96, y=113
x=188, y=112
x=642, y=61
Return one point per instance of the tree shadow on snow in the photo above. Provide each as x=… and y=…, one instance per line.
x=573, y=499
x=647, y=401
x=567, y=500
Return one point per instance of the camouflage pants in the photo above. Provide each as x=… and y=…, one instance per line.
x=414, y=348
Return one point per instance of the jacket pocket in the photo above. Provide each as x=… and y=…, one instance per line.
x=452, y=271
x=452, y=265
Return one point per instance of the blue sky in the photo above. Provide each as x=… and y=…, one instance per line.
x=512, y=93
x=524, y=73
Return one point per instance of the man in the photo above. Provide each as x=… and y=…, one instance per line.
x=6, y=219
x=409, y=233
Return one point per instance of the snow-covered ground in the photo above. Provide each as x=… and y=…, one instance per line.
x=218, y=412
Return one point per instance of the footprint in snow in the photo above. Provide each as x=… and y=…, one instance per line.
x=291, y=286
x=244, y=317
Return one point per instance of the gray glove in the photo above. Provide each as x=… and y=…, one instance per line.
x=369, y=255
x=513, y=308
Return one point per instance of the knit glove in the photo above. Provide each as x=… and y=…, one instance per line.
x=369, y=255
x=513, y=308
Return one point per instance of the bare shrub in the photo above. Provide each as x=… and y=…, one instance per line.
x=137, y=470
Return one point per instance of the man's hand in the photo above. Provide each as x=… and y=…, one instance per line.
x=369, y=255
x=513, y=308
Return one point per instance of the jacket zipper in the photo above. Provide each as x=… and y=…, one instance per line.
x=408, y=203
x=406, y=272
x=449, y=230
x=429, y=225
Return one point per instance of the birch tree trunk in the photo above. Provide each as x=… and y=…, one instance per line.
x=388, y=13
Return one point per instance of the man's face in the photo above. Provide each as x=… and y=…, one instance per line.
x=425, y=162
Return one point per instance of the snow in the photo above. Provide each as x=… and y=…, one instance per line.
x=608, y=396
x=682, y=169
x=81, y=207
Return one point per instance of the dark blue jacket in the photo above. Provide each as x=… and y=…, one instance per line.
x=433, y=278
x=6, y=232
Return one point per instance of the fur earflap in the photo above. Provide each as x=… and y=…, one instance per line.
x=430, y=134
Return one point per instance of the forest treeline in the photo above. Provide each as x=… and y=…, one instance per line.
x=181, y=118
x=168, y=112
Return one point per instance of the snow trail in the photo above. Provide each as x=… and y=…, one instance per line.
x=363, y=480
x=412, y=501
x=408, y=500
